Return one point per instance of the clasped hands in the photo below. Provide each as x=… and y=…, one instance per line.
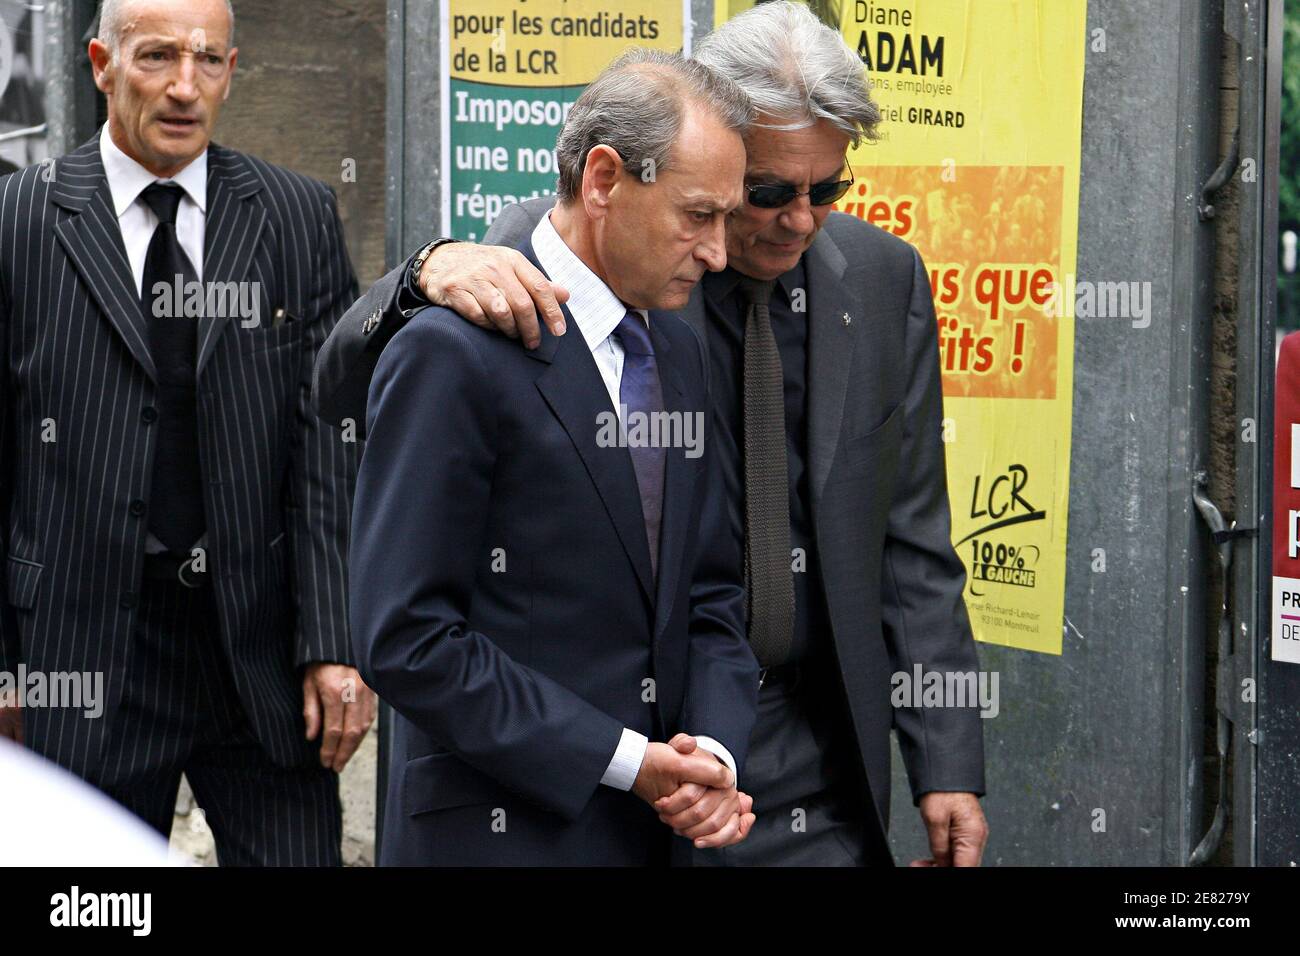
x=694, y=793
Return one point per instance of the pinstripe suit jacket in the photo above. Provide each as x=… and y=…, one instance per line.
x=76, y=380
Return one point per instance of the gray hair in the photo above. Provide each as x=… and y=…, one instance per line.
x=112, y=21
x=635, y=107
x=795, y=68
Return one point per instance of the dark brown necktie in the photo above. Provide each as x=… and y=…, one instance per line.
x=768, y=577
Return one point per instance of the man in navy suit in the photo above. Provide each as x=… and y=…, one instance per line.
x=546, y=584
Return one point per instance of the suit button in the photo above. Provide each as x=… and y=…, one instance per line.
x=137, y=507
x=129, y=599
x=148, y=414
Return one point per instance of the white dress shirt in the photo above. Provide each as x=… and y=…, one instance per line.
x=127, y=179
x=597, y=312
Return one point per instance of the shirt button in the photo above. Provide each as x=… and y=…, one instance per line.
x=148, y=414
x=137, y=507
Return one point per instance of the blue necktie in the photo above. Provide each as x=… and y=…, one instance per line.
x=642, y=395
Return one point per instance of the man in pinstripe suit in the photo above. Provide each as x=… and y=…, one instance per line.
x=172, y=514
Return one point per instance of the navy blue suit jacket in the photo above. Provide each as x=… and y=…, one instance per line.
x=502, y=598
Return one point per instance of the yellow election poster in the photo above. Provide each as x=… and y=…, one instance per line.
x=977, y=165
x=514, y=68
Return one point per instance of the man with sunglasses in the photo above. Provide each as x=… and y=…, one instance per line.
x=823, y=351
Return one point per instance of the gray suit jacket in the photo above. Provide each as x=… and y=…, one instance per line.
x=277, y=484
x=893, y=582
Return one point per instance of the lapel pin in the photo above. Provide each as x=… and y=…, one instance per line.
x=371, y=323
x=847, y=318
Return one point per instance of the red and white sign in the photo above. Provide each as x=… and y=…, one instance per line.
x=1286, y=504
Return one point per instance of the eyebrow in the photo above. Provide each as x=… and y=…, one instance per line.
x=718, y=205
x=697, y=198
x=170, y=41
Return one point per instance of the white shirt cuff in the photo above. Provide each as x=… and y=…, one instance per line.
x=719, y=751
x=626, y=763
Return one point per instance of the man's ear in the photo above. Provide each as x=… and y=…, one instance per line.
x=600, y=174
x=100, y=61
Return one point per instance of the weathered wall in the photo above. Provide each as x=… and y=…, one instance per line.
x=1224, y=432
x=309, y=94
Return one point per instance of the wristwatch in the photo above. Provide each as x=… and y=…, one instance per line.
x=410, y=297
x=418, y=262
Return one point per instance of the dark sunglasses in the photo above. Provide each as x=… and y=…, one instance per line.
x=775, y=195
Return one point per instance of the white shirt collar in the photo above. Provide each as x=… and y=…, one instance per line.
x=594, y=306
x=127, y=178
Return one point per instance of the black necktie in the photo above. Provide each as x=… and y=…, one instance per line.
x=642, y=395
x=768, y=576
x=176, y=507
